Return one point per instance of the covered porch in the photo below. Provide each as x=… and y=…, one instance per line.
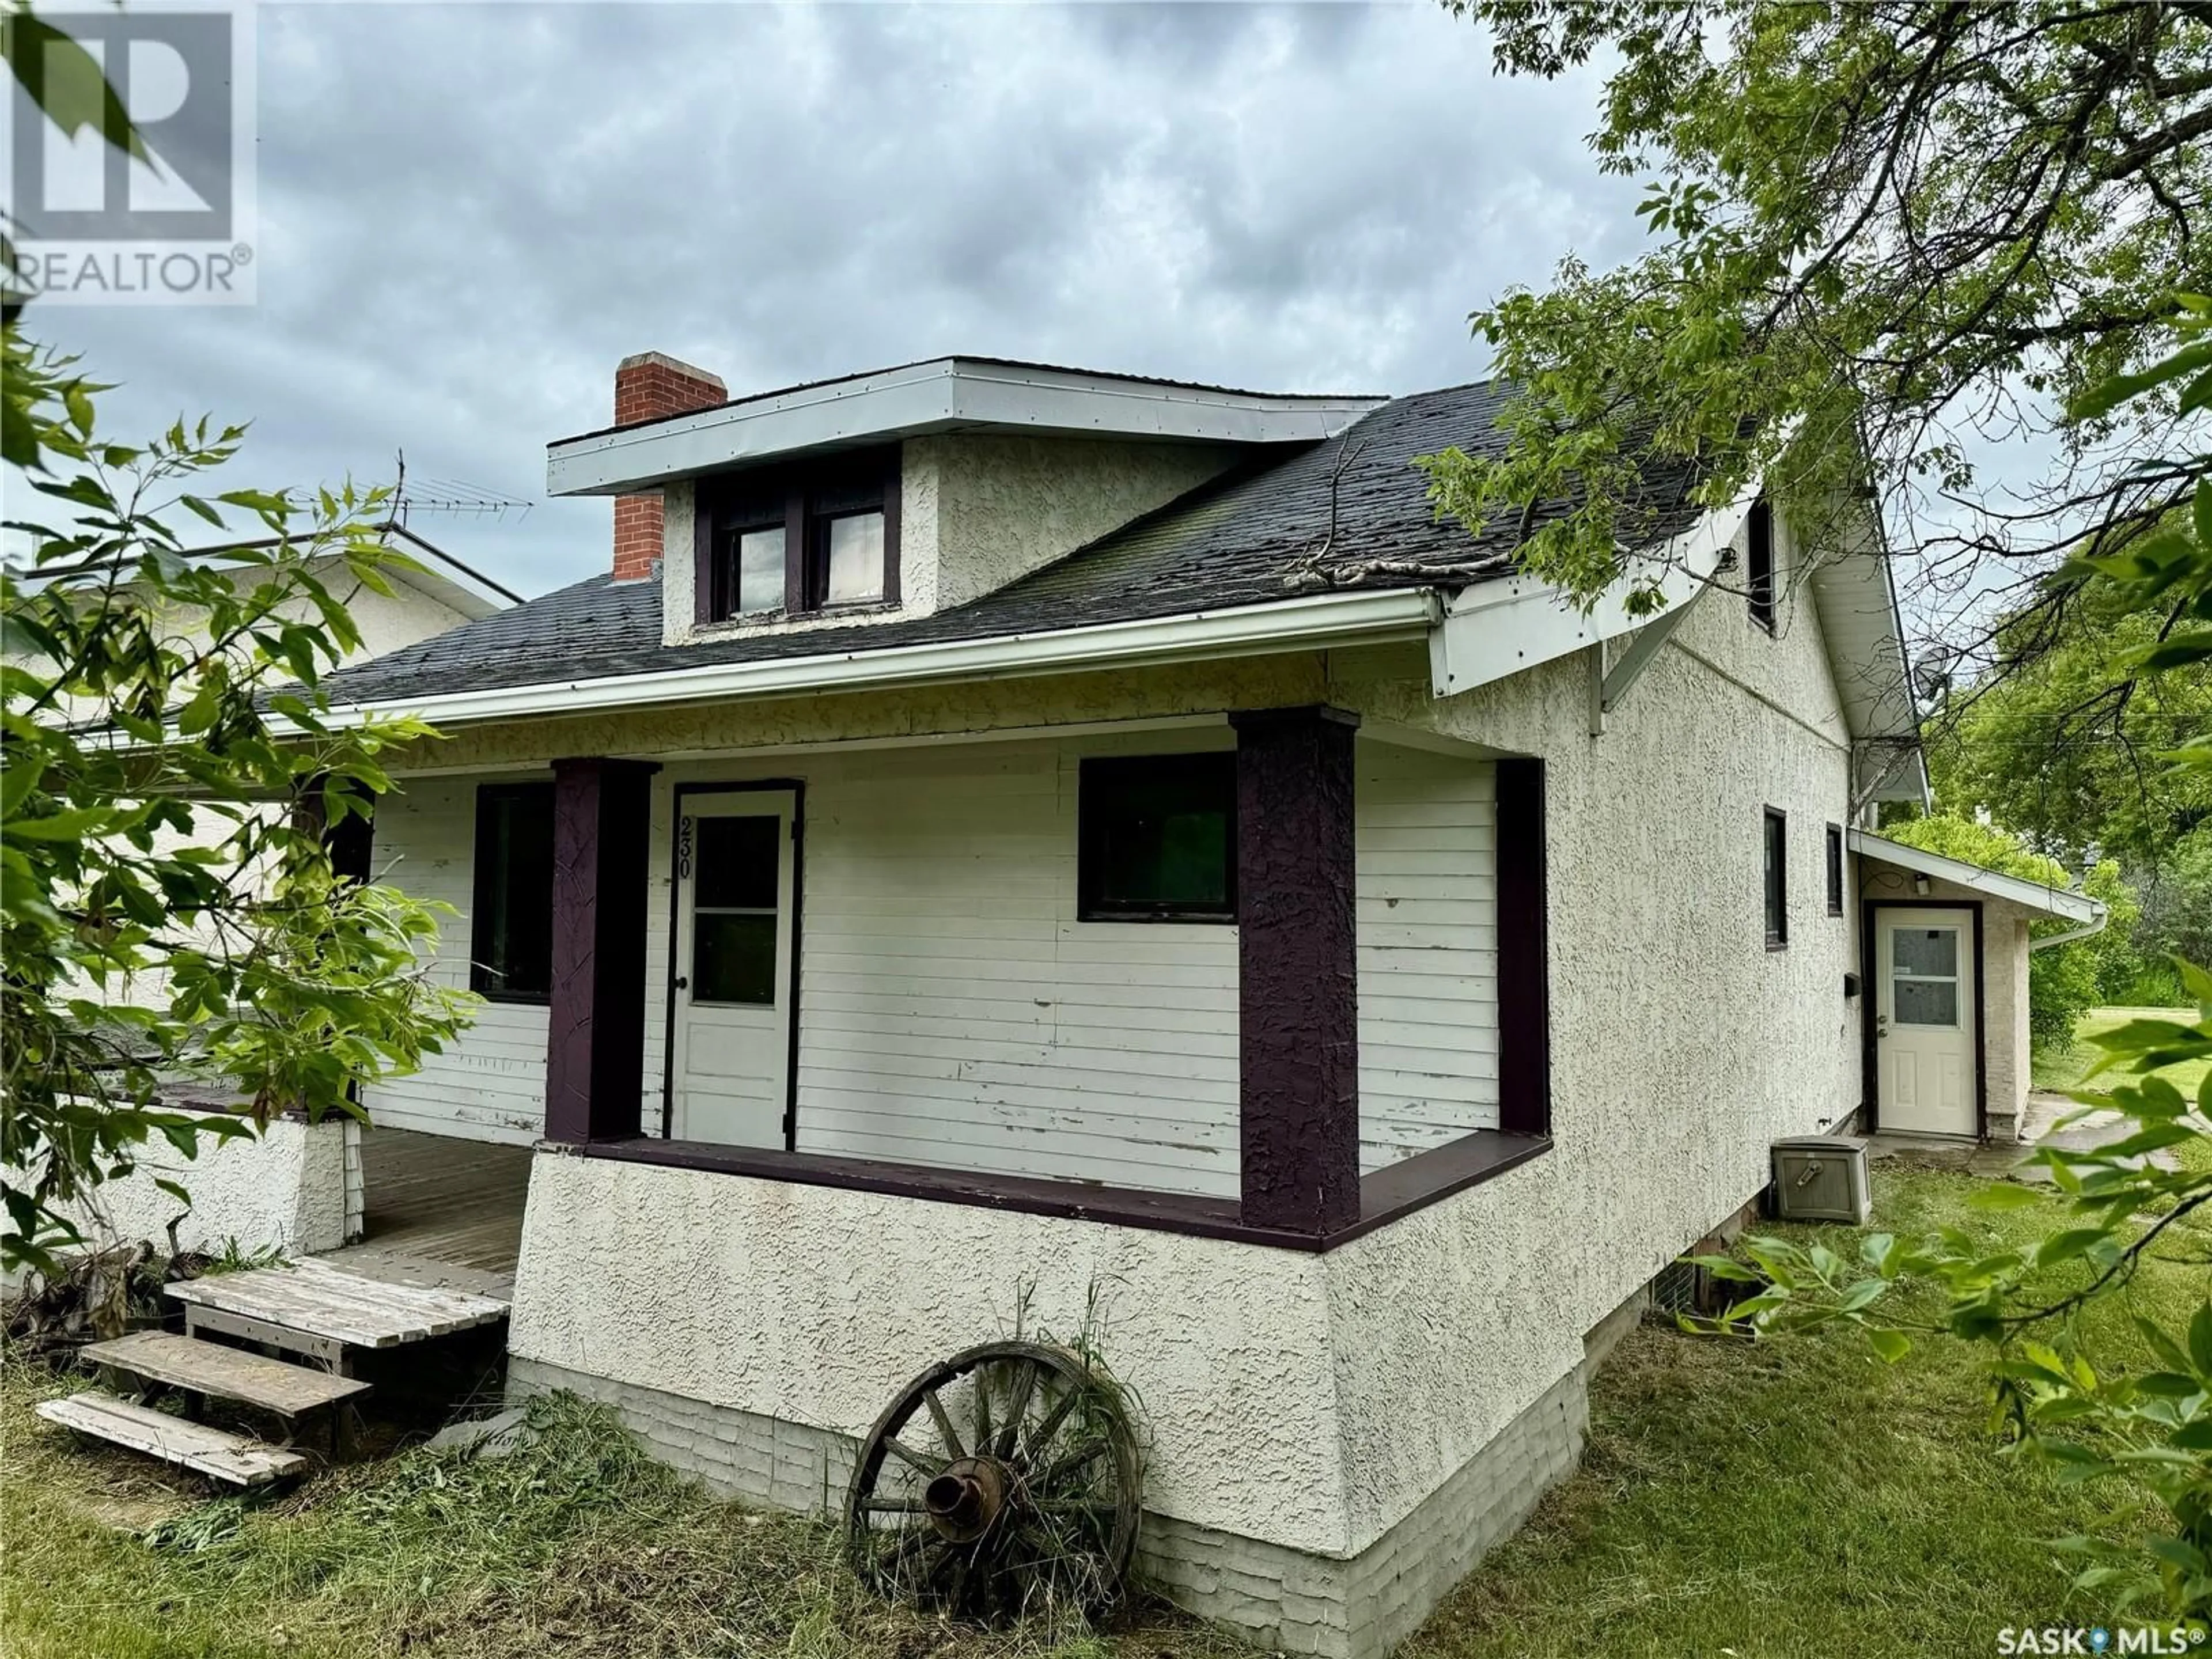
x=1269, y=975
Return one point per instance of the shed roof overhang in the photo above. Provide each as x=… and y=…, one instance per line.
x=947, y=394
x=2067, y=906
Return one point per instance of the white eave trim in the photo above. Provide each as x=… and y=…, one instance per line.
x=2030, y=895
x=1498, y=627
x=949, y=394
x=1323, y=622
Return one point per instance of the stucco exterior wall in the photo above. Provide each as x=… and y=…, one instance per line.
x=976, y=511
x=1682, y=1046
x=813, y=1304
x=2007, y=1054
x=996, y=508
x=285, y=1188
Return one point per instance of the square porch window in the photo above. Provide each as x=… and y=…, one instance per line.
x=1156, y=839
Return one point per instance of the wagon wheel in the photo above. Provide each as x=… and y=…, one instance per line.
x=1002, y=1482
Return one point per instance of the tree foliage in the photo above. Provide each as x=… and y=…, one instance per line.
x=2061, y=745
x=169, y=917
x=2091, y=1415
x=1881, y=233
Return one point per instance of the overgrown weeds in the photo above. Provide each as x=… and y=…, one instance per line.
x=574, y=1543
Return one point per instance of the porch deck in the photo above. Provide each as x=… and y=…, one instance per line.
x=441, y=1199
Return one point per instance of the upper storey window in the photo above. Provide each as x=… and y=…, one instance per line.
x=795, y=540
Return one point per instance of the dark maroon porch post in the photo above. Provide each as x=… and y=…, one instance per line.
x=1298, y=1031
x=1524, y=979
x=595, y=1037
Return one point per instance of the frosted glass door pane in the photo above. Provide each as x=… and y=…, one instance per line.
x=1925, y=952
x=1927, y=1002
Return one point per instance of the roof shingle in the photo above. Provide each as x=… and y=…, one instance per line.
x=1243, y=539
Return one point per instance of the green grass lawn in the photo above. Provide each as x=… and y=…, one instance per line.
x=1783, y=1498
x=2064, y=1068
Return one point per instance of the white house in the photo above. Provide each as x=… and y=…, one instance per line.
x=977, y=857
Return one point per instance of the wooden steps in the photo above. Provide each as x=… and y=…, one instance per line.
x=311, y=1309
x=221, y=1455
x=221, y=1373
x=320, y=1311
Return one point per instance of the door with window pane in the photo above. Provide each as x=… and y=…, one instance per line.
x=730, y=976
x=1926, y=1064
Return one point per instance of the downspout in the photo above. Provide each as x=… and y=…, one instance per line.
x=2084, y=931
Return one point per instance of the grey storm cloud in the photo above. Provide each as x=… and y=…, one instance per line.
x=468, y=214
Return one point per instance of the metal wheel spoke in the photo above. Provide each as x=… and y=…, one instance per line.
x=946, y=1431
x=895, y=1506
x=1024, y=1385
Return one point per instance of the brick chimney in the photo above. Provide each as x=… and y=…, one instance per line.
x=648, y=387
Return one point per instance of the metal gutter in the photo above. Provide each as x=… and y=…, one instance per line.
x=1322, y=622
x=2073, y=907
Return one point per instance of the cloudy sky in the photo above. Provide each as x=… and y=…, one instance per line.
x=468, y=214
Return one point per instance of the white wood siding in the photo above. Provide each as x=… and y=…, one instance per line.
x=953, y=1012
x=1427, y=884
x=489, y=1085
x=952, y=1009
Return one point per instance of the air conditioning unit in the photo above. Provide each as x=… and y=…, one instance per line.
x=1821, y=1178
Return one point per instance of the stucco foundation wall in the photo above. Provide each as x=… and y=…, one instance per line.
x=2007, y=1055
x=813, y=1306
x=1287, y=1600
x=285, y=1188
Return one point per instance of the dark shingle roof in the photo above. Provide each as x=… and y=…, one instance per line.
x=1239, y=540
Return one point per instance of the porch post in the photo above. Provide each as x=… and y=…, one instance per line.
x=595, y=1034
x=1298, y=1033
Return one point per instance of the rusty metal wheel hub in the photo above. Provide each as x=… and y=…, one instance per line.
x=965, y=1501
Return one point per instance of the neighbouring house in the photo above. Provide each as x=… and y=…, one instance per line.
x=1008, y=846
x=298, y=1185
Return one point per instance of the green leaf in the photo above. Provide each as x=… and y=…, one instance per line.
x=2200, y=1341
x=1891, y=1345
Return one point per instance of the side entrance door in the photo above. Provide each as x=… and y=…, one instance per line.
x=730, y=977
x=1926, y=1062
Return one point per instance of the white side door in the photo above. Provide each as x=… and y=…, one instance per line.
x=1925, y=1063
x=730, y=977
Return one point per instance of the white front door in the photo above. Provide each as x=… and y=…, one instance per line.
x=729, y=980
x=1925, y=1064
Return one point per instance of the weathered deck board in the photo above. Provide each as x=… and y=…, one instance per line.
x=222, y=1372
x=440, y=1198
x=212, y=1452
x=320, y=1300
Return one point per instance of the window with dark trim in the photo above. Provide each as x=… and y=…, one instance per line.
x=1157, y=838
x=511, y=921
x=1835, y=869
x=1776, y=884
x=790, y=541
x=1758, y=565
